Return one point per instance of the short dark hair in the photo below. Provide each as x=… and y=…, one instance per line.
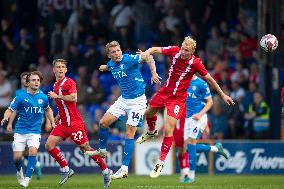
x=38, y=73
x=24, y=74
x=59, y=60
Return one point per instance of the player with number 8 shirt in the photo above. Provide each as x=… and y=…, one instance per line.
x=173, y=94
x=69, y=123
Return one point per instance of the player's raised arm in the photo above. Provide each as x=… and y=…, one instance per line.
x=70, y=98
x=154, y=50
x=146, y=57
x=215, y=86
x=103, y=68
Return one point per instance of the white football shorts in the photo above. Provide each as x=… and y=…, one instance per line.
x=193, y=129
x=22, y=140
x=133, y=108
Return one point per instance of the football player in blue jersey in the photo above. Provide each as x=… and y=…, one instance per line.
x=31, y=106
x=24, y=86
x=198, y=103
x=132, y=102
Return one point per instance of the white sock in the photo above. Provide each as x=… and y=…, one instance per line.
x=160, y=162
x=213, y=149
x=28, y=179
x=184, y=171
x=105, y=171
x=65, y=169
x=124, y=167
x=37, y=165
x=191, y=174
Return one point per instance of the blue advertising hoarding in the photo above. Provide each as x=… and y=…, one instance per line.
x=251, y=158
x=77, y=161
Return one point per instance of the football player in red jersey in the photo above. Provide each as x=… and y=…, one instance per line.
x=70, y=123
x=173, y=94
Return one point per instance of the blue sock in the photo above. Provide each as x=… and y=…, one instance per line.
x=18, y=165
x=203, y=148
x=30, y=166
x=103, y=137
x=192, y=156
x=128, y=151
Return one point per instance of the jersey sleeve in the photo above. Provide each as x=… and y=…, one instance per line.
x=199, y=67
x=46, y=103
x=71, y=87
x=170, y=50
x=14, y=105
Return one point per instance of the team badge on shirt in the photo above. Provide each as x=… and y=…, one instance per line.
x=40, y=101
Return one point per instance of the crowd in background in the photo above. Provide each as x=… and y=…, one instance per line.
x=34, y=33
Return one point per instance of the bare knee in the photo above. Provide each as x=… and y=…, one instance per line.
x=33, y=151
x=17, y=157
x=130, y=131
x=85, y=147
x=192, y=141
x=103, y=123
x=48, y=146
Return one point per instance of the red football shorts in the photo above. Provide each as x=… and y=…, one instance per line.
x=178, y=131
x=175, y=105
x=77, y=132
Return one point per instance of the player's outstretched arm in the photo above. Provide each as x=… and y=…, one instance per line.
x=6, y=117
x=49, y=115
x=154, y=50
x=103, y=68
x=228, y=100
x=145, y=57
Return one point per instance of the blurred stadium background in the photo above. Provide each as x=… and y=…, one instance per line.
x=34, y=32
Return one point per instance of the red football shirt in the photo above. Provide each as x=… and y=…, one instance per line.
x=68, y=111
x=181, y=71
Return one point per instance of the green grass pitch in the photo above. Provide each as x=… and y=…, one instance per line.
x=142, y=182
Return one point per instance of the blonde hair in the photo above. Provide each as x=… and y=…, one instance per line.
x=189, y=41
x=111, y=44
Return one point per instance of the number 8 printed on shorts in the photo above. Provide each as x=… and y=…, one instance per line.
x=176, y=110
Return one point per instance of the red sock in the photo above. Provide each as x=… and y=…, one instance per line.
x=151, y=121
x=166, y=146
x=99, y=160
x=183, y=160
x=58, y=156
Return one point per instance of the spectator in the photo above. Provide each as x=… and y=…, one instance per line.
x=257, y=116
x=95, y=92
x=59, y=41
x=142, y=19
x=42, y=42
x=171, y=20
x=218, y=121
x=47, y=71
